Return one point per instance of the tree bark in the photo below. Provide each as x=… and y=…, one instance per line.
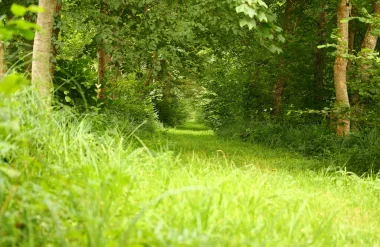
x=41, y=77
x=3, y=64
x=279, y=87
x=370, y=40
x=101, y=72
x=103, y=60
x=340, y=70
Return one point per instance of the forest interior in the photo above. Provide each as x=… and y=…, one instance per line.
x=189, y=123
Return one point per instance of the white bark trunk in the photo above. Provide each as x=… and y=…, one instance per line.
x=41, y=77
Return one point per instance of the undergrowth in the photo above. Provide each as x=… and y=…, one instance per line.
x=359, y=152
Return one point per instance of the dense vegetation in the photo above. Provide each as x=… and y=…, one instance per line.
x=189, y=123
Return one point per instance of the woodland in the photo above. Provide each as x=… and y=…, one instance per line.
x=189, y=123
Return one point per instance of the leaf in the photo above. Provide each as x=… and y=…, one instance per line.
x=262, y=17
x=281, y=38
x=18, y=10
x=12, y=83
x=251, y=23
x=252, y=13
x=67, y=99
x=27, y=34
x=262, y=3
x=35, y=9
x=241, y=8
x=275, y=49
x=10, y=172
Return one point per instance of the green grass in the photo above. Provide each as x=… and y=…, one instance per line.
x=70, y=184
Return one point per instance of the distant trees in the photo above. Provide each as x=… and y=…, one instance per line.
x=99, y=43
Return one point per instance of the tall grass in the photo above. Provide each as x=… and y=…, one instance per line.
x=70, y=181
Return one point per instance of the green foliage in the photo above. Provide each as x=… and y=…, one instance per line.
x=169, y=103
x=129, y=105
x=75, y=82
x=17, y=25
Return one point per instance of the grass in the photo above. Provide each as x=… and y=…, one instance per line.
x=69, y=184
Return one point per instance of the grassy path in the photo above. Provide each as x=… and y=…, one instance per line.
x=228, y=193
x=189, y=189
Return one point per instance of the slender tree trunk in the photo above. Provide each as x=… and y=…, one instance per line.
x=3, y=64
x=368, y=45
x=370, y=40
x=279, y=87
x=102, y=68
x=41, y=77
x=320, y=60
x=340, y=70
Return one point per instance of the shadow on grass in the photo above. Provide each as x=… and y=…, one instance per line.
x=193, y=126
x=194, y=140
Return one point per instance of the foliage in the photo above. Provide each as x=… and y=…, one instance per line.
x=75, y=82
x=129, y=105
x=17, y=25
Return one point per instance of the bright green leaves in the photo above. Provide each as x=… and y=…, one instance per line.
x=11, y=84
x=259, y=17
x=17, y=25
x=19, y=10
x=246, y=9
x=251, y=23
x=262, y=17
x=255, y=11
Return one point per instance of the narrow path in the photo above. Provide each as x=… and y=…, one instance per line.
x=196, y=139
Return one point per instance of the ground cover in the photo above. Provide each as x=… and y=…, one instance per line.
x=190, y=189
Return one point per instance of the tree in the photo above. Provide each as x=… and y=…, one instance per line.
x=41, y=66
x=3, y=65
x=368, y=46
x=340, y=70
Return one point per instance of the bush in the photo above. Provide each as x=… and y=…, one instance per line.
x=129, y=105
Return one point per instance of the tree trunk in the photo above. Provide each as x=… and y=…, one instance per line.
x=279, y=87
x=41, y=77
x=3, y=64
x=368, y=45
x=370, y=40
x=340, y=70
x=320, y=56
x=103, y=60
